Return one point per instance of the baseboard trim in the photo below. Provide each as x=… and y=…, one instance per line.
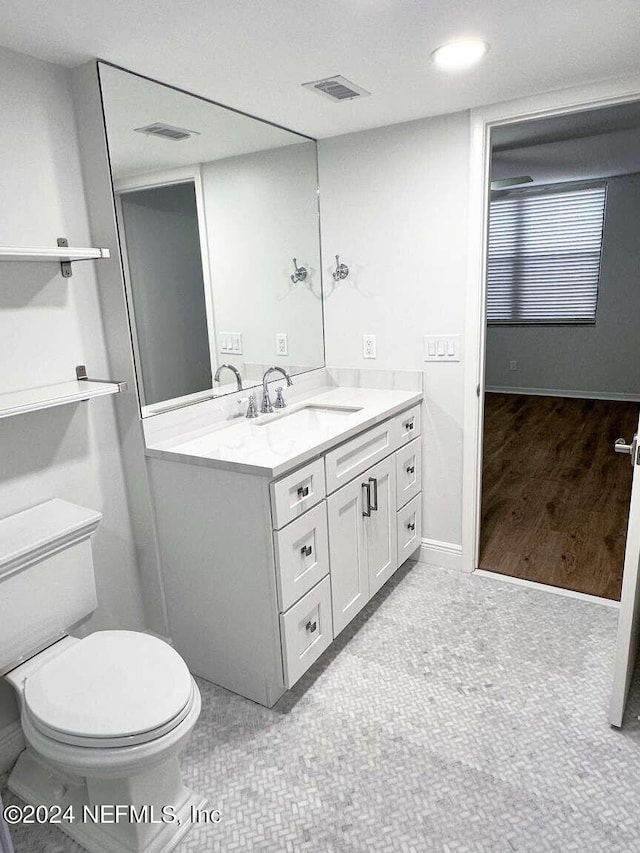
x=555, y=392
x=11, y=745
x=444, y=554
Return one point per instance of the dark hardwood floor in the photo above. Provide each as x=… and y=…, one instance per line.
x=555, y=496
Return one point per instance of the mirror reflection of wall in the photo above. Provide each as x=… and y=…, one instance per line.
x=271, y=195
x=212, y=206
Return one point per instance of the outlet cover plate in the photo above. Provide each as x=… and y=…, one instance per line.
x=369, y=349
x=282, y=343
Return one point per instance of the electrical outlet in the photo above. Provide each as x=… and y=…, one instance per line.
x=282, y=343
x=513, y=365
x=369, y=349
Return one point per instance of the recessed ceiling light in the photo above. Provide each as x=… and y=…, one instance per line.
x=458, y=55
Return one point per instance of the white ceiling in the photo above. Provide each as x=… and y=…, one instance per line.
x=254, y=54
x=580, y=146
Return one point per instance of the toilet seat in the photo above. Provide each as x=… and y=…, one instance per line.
x=111, y=689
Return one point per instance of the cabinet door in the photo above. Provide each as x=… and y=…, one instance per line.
x=349, y=578
x=381, y=528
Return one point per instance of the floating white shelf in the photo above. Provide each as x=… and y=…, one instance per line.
x=61, y=254
x=60, y=394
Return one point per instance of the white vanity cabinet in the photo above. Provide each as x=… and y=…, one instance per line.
x=363, y=540
x=261, y=575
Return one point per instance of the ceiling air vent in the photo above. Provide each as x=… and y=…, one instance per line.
x=337, y=88
x=166, y=131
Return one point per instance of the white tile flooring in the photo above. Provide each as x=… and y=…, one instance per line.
x=458, y=713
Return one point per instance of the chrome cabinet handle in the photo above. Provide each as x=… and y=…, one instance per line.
x=367, y=487
x=303, y=491
x=374, y=505
x=411, y=525
x=408, y=425
x=306, y=550
x=311, y=626
x=411, y=469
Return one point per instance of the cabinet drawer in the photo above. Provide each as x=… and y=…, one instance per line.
x=409, y=528
x=296, y=493
x=302, y=555
x=355, y=456
x=407, y=425
x=306, y=631
x=408, y=472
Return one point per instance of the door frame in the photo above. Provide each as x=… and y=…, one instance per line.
x=482, y=120
x=191, y=174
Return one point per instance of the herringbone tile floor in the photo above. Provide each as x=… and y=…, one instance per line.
x=458, y=713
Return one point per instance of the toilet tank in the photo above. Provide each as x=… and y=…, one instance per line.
x=47, y=583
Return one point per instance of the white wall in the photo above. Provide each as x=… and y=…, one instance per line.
x=394, y=206
x=262, y=211
x=48, y=325
x=600, y=359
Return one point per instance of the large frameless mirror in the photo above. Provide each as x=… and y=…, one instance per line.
x=219, y=231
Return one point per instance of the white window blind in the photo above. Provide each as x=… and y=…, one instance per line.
x=544, y=255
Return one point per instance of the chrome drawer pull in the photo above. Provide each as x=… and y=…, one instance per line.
x=311, y=626
x=411, y=469
x=374, y=505
x=367, y=510
x=411, y=525
x=409, y=425
x=303, y=491
x=306, y=550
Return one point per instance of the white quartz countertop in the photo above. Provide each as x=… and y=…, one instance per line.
x=273, y=445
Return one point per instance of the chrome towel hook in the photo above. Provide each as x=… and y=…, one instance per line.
x=341, y=270
x=300, y=272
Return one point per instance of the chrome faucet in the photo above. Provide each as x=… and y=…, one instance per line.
x=267, y=406
x=235, y=370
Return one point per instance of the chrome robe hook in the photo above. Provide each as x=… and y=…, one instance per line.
x=341, y=270
x=300, y=272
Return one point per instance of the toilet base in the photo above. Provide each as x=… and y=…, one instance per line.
x=38, y=783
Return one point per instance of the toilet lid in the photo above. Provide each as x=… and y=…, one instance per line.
x=113, y=685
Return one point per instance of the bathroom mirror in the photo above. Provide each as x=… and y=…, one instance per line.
x=213, y=206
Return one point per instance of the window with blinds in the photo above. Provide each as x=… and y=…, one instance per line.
x=544, y=255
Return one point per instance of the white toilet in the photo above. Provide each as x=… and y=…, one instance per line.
x=104, y=717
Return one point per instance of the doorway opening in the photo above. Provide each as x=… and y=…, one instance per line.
x=562, y=376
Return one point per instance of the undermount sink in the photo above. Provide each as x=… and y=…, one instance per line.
x=309, y=417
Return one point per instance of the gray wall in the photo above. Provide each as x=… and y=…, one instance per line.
x=163, y=253
x=598, y=360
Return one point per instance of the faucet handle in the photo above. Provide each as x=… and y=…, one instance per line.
x=252, y=411
x=279, y=403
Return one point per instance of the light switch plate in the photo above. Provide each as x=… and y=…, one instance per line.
x=282, y=343
x=231, y=342
x=441, y=347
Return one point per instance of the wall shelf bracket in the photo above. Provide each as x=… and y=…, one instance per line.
x=65, y=266
x=81, y=376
